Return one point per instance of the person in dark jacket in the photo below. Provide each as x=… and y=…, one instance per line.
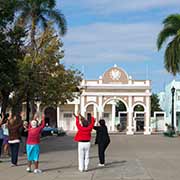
x=24, y=135
x=14, y=125
x=103, y=141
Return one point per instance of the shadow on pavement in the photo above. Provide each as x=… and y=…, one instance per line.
x=109, y=165
x=58, y=169
x=93, y=157
x=58, y=143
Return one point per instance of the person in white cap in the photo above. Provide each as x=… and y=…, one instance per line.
x=32, y=146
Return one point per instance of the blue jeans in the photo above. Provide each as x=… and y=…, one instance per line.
x=14, y=152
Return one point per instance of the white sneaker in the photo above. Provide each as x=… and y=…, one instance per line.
x=13, y=165
x=28, y=169
x=101, y=165
x=80, y=170
x=37, y=171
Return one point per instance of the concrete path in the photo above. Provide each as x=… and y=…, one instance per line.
x=128, y=158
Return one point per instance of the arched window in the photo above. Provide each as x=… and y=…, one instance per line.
x=120, y=106
x=139, y=107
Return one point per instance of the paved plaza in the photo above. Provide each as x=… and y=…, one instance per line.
x=135, y=157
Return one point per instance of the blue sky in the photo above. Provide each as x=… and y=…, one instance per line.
x=102, y=33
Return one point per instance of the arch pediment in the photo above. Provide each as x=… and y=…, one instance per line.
x=115, y=75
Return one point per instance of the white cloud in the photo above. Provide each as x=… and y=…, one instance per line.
x=108, y=42
x=114, y=6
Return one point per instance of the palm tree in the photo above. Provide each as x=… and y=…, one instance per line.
x=37, y=13
x=171, y=29
x=34, y=13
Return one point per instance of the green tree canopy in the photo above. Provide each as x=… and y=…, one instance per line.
x=10, y=50
x=47, y=79
x=50, y=80
x=155, y=104
x=7, y=9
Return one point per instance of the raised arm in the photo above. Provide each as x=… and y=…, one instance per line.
x=42, y=122
x=78, y=125
x=3, y=119
x=96, y=128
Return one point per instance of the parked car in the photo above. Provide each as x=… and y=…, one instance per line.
x=49, y=131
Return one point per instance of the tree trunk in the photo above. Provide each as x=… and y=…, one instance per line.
x=28, y=110
x=33, y=55
x=17, y=108
x=33, y=41
x=5, y=99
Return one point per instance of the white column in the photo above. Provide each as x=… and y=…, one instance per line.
x=95, y=112
x=147, y=117
x=76, y=112
x=100, y=108
x=113, y=115
x=175, y=125
x=58, y=117
x=76, y=109
x=130, y=116
x=82, y=109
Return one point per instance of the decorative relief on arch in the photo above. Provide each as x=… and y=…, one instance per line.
x=115, y=75
x=91, y=103
x=105, y=98
x=125, y=99
x=109, y=99
x=138, y=99
x=91, y=98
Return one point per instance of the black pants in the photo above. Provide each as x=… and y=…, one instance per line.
x=1, y=143
x=14, y=152
x=101, y=151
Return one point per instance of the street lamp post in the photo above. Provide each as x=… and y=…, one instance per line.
x=172, y=111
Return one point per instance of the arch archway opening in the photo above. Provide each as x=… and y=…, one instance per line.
x=138, y=108
x=120, y=107
x=121, y=116
x=91, y=110
x=107, y=115
x=139, y=116
x=50, y=116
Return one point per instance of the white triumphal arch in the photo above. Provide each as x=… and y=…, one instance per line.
x=123, y=102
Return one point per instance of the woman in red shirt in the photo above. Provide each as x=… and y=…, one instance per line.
x=32, y=144
x=83, y=137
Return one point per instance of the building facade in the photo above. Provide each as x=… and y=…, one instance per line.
x=101, y=97
x=165, y=101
